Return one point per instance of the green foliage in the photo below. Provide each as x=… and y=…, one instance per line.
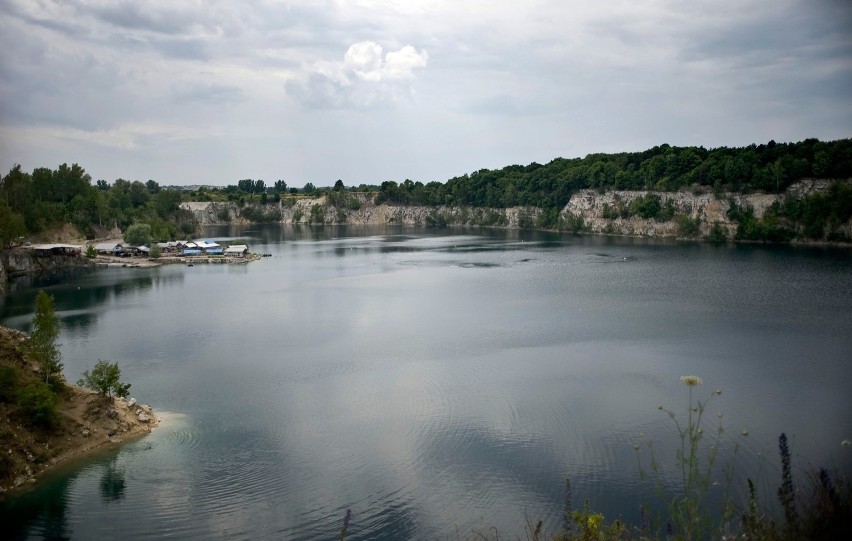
x=688, y=227
x=317, y=214
x=138, y=235
x=573, y=223
x=155, y=252
x=259, y=215
x=771, y=167
x=526, y=218
x=343, y=200
x=105, y=378
x=91, y=252
x=42, y=347
x=717, y=233
x=8, y=384
x=548, y=218
x=37, y=403
x=645, y=206
x=12, y=226
x=437, y=218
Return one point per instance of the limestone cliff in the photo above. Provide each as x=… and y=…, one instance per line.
x=22, y=261
x=599, y=213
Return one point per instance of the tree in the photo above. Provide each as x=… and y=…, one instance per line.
x=138, y=235
x=246, y=185
x=38, y=404
x=105, y=378
x=12, y=225
x=42, y=346
x=309, y=188
x=338, y=186
x=280, y=186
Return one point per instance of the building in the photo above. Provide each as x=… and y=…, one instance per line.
x=237, y=250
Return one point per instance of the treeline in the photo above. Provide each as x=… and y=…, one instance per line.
x=769, y=168
x=46, y=198
x=34, y=202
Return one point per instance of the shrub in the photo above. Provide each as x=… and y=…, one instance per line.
x=647, y=206
x=717, y=233
x=688, y=227
x=37, y=402
x=155, y=252
x=317, y=214
x=91, y=252
x=8, y=384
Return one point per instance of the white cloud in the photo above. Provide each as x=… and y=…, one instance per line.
x=364, y=78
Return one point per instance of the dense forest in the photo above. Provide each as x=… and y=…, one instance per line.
x=33, y=202
x=770, y=168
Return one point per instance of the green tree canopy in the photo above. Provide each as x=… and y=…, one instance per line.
x=42, y=346
x=105, y=378
x=138, y=234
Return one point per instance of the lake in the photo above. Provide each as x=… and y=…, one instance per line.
x=435, y=381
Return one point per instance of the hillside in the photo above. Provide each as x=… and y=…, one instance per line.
x=87, y=421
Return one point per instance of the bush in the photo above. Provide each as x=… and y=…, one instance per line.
x=717, y=233
x=8, y=384
x=647, y=206
x=688, y=227
x=155, y=252
x=91, y=253
x=317, y=214
x=38, y=404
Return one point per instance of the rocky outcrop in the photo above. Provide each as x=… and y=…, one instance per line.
x=22, y=261
x=600, y=213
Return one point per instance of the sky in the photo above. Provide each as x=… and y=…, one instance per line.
x=212, y=91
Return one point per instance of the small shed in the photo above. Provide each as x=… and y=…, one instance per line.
x=237, y=250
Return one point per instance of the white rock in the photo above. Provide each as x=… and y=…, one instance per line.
x=131, y=402
x=143, y=417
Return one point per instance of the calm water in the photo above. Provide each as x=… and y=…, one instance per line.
x=435, y=381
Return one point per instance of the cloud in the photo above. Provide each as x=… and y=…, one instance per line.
x=364, y=78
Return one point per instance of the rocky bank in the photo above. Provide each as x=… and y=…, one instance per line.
x=88, y=421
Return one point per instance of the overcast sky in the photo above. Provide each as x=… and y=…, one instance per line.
x=212, y=91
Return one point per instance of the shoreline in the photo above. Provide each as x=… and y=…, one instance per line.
x=88, y=422
x=84, y=433
x=147, y=262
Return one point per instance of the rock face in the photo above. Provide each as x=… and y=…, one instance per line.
x=593, y=207
x=21, y=261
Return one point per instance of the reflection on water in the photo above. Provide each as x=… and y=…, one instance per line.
x=113, y=482
x=431, y=380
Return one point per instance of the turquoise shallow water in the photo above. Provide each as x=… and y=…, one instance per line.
x=434, y=380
